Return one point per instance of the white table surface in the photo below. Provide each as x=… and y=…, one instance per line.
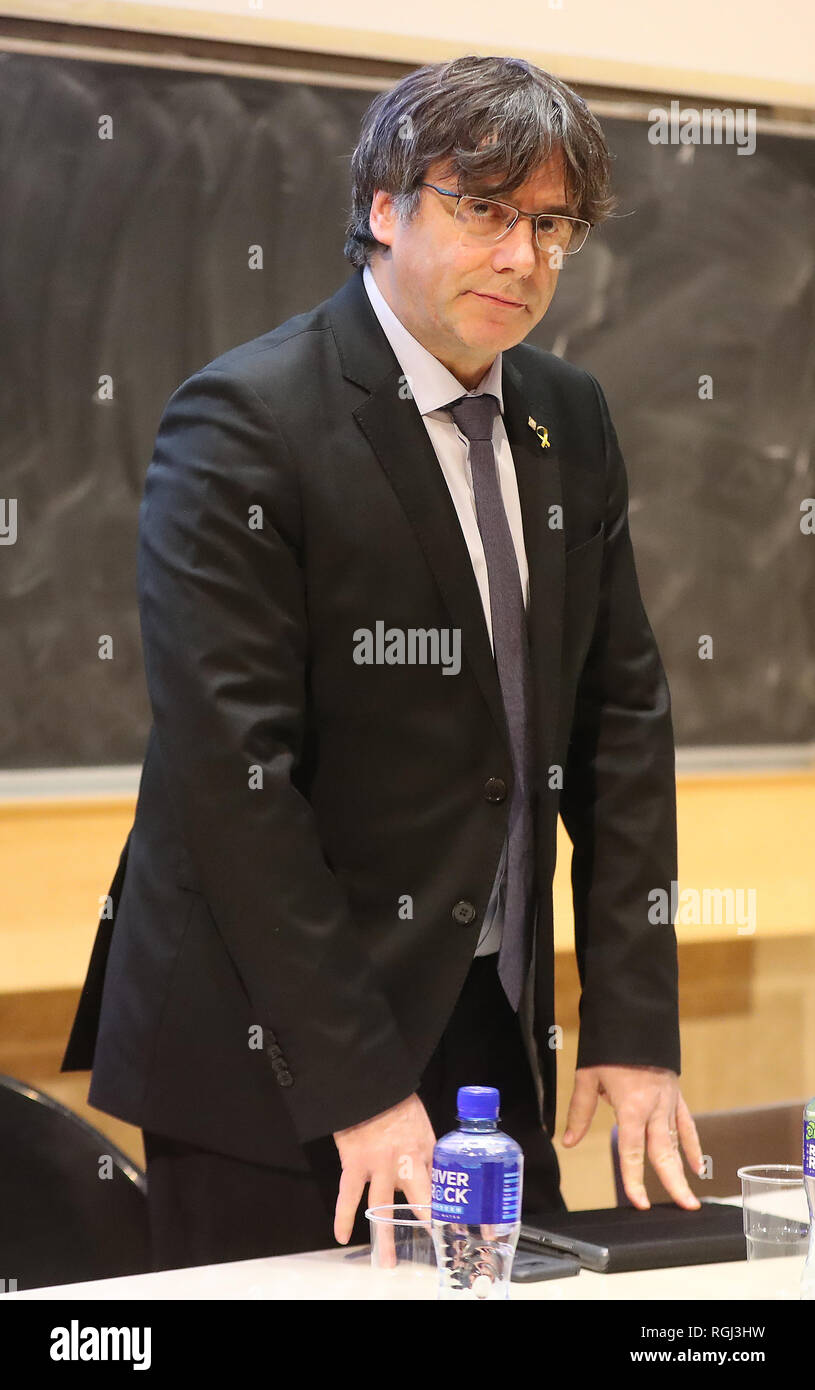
x=347, y=1274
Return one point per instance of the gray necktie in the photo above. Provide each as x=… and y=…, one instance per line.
x=474, y=416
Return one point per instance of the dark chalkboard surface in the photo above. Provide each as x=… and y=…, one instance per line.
x=128, y=258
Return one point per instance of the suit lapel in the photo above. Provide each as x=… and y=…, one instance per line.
x=396, y=432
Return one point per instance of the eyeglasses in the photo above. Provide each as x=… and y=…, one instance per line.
x=486, y=220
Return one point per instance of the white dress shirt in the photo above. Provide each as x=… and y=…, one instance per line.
x=433, y=387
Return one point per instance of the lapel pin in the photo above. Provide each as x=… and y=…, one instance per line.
x=541, y=431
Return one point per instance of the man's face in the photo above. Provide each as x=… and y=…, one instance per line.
x=449, y=294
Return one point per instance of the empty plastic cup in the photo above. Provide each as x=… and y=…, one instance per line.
x=402, y=1243
x=776, y=1216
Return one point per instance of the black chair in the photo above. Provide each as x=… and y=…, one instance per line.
x=61, y=1222
x=730, y=1139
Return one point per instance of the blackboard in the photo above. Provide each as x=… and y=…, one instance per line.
x=128, y=258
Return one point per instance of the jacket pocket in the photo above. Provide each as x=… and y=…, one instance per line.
x=586, y=547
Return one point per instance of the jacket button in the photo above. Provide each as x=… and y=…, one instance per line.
x=285, y=1078
x=463, y=912
x=496, y=789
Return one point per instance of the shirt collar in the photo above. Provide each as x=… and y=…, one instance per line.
x=432, y=386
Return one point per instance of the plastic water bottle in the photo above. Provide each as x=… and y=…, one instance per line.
x=808, y=1276
x=477, y=1183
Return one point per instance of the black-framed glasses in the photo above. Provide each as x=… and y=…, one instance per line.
x=483, y=220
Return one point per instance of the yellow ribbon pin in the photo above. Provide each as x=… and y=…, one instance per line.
x=541, y=431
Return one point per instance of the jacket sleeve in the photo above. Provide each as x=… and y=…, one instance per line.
x=618, y=805
x=222, y=603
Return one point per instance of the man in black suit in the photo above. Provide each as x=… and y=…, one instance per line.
x=392, y=627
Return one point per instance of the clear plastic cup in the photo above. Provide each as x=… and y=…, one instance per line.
x=776, y=1215
x=402, y=1243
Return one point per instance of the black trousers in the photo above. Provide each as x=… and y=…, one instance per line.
x=209, y=1208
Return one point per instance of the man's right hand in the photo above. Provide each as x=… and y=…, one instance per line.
x=393, y=1151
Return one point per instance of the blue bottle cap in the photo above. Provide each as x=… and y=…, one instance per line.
x=478, y=1103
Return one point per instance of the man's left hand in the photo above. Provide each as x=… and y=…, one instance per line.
x=650, y=1110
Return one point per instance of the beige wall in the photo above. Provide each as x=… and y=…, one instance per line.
x=741, y=49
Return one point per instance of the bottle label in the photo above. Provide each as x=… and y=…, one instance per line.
x=477, y=1194
x=809, y=1148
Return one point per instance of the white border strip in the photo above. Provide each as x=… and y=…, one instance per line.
x=70, y=783
x=751, y=758
x=101, y=783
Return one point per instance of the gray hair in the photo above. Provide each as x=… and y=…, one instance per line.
x=488, y=118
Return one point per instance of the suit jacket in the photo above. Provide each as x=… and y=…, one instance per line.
x=315, y=840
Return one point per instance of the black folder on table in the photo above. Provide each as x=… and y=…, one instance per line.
x=612, y=1240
